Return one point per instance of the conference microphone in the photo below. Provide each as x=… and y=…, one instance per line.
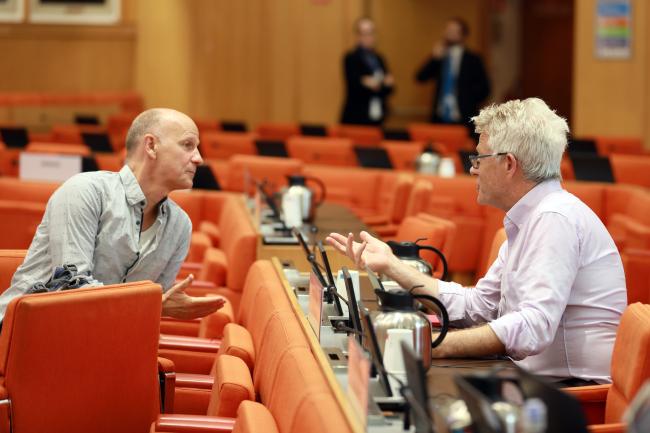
x=339, y=326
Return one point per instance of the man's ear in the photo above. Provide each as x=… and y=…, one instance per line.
x=150, y=145
x=511, y=163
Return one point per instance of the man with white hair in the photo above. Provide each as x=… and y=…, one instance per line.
x=121, y=227
x=553, y=298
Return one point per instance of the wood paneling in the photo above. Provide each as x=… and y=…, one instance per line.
x=261, y=60
x=611, y=97
x=52, y=58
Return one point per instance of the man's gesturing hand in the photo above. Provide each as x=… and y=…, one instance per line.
x=371, y=252
x=176, y=303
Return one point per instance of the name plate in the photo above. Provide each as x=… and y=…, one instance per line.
x=315, y=312
x=48, y=167
x=358, y=379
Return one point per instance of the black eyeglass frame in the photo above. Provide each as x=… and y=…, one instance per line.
x=475, y=159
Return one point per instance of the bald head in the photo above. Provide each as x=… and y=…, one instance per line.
x=151, y=121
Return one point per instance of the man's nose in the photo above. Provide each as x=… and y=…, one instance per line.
x=196, y=157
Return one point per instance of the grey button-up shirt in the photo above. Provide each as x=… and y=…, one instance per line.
x=94, y=221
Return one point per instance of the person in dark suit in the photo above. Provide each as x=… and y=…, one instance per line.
x=462, y=83
x=367, y=80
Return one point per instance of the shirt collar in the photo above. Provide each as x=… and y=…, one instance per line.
x=134, y=194
x=520, y=212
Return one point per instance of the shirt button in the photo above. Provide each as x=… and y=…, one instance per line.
x=142, y=203
x=137, y=223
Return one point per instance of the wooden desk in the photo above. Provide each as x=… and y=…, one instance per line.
x=439, y=377
x=329, y=218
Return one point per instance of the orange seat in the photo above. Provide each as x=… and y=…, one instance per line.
x=9, y=262
x=631, y=169
x=453, y=137
x=101, y=345
x=362, y=199
x=609, y=145
x=630, y=229
x=394, y=190
x=455, y=200
x=59, y=149
x=322, y=150
x=605, y=404
x=403, y=154
x=244, y=169
x=252, y=417
x=71, y=134
x=418, y=202
x=636, y=264
x=18, y=223
x=358, y=134
x=280, y=131
x=223, y=145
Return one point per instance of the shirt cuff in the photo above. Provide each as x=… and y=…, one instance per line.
x=452, y=295
x=512, y=330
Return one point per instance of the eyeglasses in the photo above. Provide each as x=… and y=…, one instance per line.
x=475, y=160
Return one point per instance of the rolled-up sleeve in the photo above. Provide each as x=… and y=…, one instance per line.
x=540, y=286
x=469, y=306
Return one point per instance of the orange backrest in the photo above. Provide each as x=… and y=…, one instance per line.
x=277, y=130
x=608, y=145
x=238, y=241
x=632, y=169
x=636, y=264
x=445, y=235
x=322, y=150
x=459, y=192
x=358, y=134
x=18, y=223
x=319, y=413
x=419, y=198
x=223, y=145
x=206, y=125
x=630, y=360
x=338, y=181
x=394, y=191
x=9, y=262
x=74, y=360
x=71, y=134
x=22, y=190
x=402, y=154
x=297, y=376
x=59, y=148
x=253, y=417
x=281, y=334
x=119, y=123
x=453, y=137
x=243, y=169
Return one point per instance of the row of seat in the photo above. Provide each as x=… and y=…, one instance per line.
x=281, y=372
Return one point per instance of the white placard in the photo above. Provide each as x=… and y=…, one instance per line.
x=315, y=312
x=107, y=12
x=48, y=167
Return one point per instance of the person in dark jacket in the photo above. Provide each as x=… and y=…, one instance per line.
x=462, y=83
x=367, y=79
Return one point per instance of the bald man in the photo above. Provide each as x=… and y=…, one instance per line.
x=122, y=227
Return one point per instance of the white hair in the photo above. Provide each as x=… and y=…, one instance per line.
x=531, y=131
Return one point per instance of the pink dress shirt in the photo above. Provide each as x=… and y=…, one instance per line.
x=556, y=292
